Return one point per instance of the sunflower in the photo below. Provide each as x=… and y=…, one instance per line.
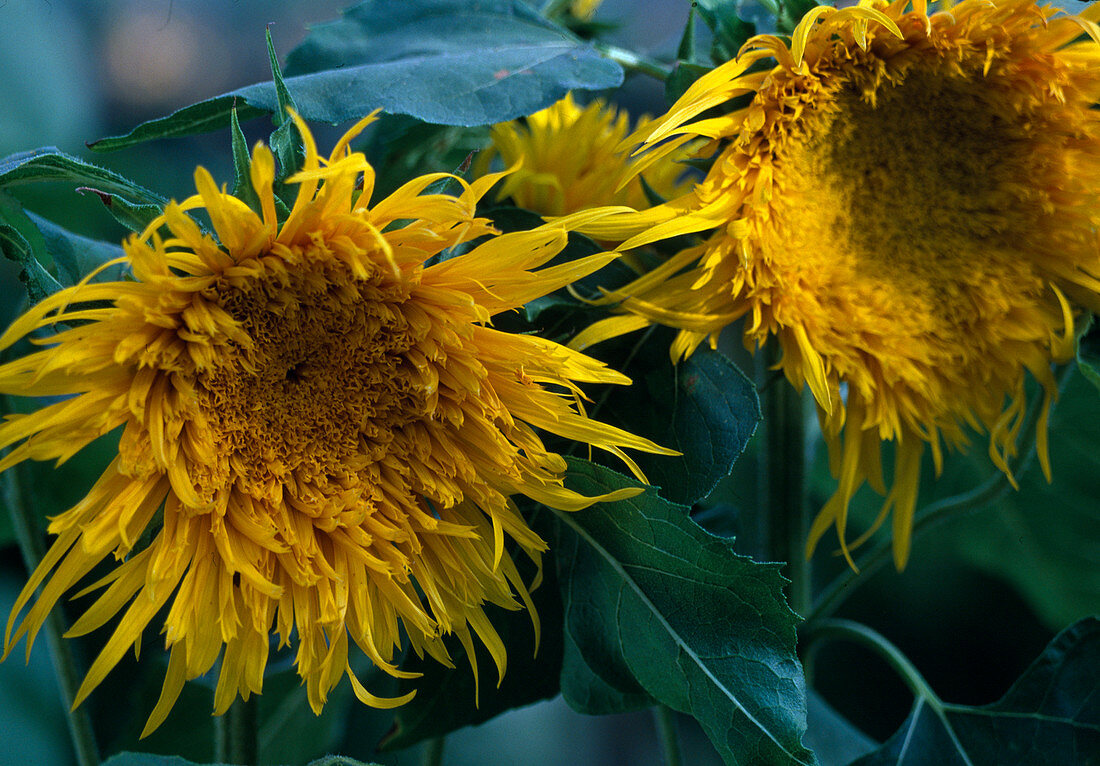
x=320, y=429
x=571, y=158
x=909, y=201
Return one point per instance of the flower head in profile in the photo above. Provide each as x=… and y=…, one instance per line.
x=572, y=158
x=320, y=429
x=909, y=203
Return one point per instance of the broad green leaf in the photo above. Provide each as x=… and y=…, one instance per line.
x=449, y=62
x=445, y=697
x=1044, y=538
x=50, y=164
x=649, y=594
x=704, y=407
x=831, y=736
x=1051, y=715
x=134, y=216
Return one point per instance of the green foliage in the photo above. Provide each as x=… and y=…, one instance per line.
x=37, y=244
x=1049, y=716
x=446, y=698
x=1088, y=357
x=704, y=407
x=730, y=30
x=656, y=606
x=448, y=62
x=147, y=759
x=791, y=12
x=50, y=164
x=1043, y=538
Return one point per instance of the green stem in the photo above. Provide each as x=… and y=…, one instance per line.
x=236, y=733
x=635, y=62
x=989, y=491
x=784, y=483
x=854, y=631
x=31, y=546
x=668, y=734
x=433, y=752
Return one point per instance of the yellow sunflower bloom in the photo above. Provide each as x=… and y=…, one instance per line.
x=328, y=424
x=910, y=203
x=571, y=159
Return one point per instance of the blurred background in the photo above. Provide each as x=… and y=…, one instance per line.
x=108, y=65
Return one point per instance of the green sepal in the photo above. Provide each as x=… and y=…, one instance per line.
x=242, y=166
x=729, y=29
x=657, y=604
x=686, y=49
x=1050, y=716
x=285, y=141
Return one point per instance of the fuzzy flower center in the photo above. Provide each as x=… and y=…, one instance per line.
x=902, y=208
x=325, y=382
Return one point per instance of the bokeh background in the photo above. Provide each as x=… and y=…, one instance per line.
x=72, y=71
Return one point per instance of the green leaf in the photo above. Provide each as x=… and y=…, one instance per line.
x=831, y=736
x=704, y=407
x=1051, y=715
x=1088, y=357
x=148, y=759
x=791, y=12
x=656, y=603
x=1044, y=538
x=22, y=242
x=449, y=62
x=730, y=30
x=76, y=256
x=134, y=216
x=33, y=242
x=151, y=759
x=445, y=697
x=50, y=164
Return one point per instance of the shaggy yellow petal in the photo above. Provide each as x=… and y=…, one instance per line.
x=330, y=430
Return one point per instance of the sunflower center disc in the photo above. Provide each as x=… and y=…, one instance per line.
x=324, y=384
x=902, y=205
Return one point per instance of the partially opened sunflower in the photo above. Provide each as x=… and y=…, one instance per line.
x=320, y=428
x=909, y=201
x=569, y=158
